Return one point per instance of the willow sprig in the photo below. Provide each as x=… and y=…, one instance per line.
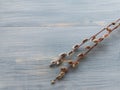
x=73, y=63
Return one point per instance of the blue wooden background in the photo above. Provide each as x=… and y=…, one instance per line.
x=33, y=32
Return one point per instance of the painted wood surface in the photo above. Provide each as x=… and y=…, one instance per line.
x=33, y=32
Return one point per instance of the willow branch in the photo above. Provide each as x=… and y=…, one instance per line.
x=74, y=63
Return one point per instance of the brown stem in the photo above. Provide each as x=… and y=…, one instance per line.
x=80, y=56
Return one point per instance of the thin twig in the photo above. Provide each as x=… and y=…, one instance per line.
x=74, y=63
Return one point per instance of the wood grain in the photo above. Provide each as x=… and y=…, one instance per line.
x=33, y=32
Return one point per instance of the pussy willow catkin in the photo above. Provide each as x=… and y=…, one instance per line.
x=63, y=58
